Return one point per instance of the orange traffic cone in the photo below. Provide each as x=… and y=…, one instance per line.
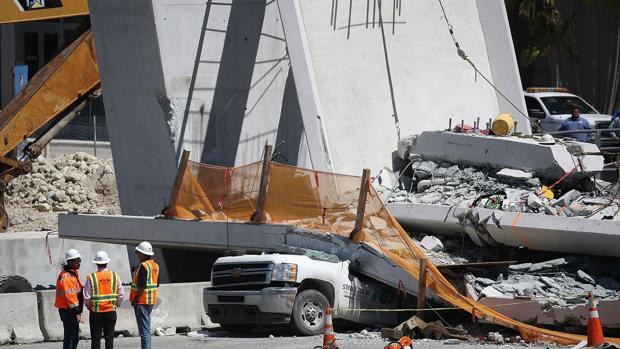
x=595, y=330
x=329, y=338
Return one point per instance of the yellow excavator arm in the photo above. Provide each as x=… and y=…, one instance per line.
x=56, y=92
x=73, y=74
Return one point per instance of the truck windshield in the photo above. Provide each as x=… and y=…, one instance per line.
x=564, y=105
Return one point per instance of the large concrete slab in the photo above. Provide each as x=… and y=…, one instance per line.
x=37, y=256
x=551, y=161
x=173, y=233
x=531, y=230
x=221, y=236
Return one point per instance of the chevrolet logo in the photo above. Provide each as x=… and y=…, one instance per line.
x=236, y=272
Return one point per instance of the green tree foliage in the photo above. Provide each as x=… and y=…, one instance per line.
x=549, y=30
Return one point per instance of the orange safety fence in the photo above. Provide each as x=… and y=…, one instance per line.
x=326, y=202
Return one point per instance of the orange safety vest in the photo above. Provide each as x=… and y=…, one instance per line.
x=149, y=296
x=68, y=290
x=104, y=286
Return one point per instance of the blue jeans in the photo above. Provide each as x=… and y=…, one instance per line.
x=143, y=317
x=71, y=328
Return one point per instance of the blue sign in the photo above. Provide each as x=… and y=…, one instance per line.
x=20, y=72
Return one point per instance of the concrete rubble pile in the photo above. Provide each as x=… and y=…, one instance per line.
x=426, y=181
x=483, y=184
x=67, y=183
x=544, y=282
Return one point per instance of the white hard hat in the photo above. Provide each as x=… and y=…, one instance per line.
x=101, y=258
x=145, y=248
x=71, y=254
x=547, y=139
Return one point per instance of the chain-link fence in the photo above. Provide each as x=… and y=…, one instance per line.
x=86, y=132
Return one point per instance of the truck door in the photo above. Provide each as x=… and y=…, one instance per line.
x=365, y=294
x=537, y=113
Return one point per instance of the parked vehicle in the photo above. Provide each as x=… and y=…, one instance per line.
x=282, y=289
x=551, y=106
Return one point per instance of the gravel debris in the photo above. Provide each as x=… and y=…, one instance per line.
x=67, y=183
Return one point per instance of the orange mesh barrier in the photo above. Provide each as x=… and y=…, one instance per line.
x=326, y=202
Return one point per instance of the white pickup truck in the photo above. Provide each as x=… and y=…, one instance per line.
x=252, y=290
x=551, y=106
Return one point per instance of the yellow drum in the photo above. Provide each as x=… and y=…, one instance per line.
x=503, y=125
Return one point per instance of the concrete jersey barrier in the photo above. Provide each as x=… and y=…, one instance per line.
x=19, y=318
x=178, y=305
x=51, y=326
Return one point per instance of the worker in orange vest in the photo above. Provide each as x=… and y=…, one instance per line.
x=144, y=291
x=69, y=299
x=103, y=293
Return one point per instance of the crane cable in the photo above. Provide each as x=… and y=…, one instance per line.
x=463, y=55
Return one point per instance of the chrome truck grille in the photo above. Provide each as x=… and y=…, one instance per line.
x=234, y=274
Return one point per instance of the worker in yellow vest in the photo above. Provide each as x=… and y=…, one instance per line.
x=144, y=291
x=69, y=300
x=103, y=293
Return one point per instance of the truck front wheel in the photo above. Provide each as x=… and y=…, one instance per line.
x=308, y=318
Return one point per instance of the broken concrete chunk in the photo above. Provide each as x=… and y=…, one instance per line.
x=387, y=178
x=495, y=337
x=585, y=277
x=431, y=198
x=567, y=198
x=534, y=182
x=470, y=291
x=404, y=144
x=520, y=267
x=550, y=211
x=548, y=264
x=424, y=184
x=549, y=281
x=451, y=341
x=485, y=281
x=491, y=291
x=415, y=157
x=424, y=169
x=579, y=209
x=534, y=201
x=511, y=174
x=431, y=243
x=44, y=207
x=595, y=201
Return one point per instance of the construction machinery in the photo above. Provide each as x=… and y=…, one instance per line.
x=54, y=96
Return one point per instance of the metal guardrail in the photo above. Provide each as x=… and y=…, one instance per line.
x=599, y=137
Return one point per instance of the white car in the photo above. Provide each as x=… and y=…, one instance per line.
x=551, y=106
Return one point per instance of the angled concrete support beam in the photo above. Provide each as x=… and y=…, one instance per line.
x=305, y=83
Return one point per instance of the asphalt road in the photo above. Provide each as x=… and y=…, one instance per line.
x=255, y=341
